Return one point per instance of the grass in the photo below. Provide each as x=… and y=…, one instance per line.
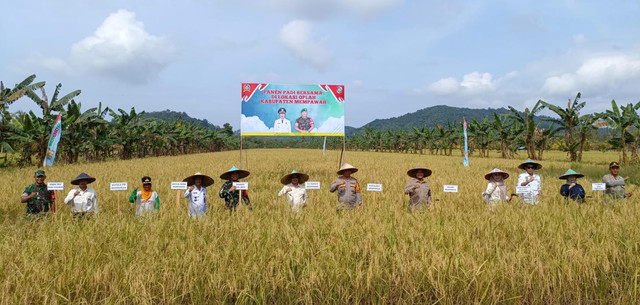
x=458, y=253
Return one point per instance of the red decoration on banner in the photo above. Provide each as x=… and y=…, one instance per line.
x=336, y=90
x=249, y=88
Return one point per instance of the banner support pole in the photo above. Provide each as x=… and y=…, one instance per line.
x=240, y=151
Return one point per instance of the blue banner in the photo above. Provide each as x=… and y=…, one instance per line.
x=466, y=143
x=52, y=148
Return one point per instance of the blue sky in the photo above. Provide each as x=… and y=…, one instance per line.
x=393, y=56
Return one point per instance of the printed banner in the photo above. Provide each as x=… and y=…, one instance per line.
x=52, y=148
x=292, y=110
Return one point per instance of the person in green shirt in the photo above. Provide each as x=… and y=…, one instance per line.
x=147, y=200
x=37, y=197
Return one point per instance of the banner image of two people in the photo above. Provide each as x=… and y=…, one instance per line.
x=292, y=110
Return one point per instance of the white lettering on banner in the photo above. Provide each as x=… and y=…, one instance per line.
x=374, y=187
x=55, y=186
x=523, y=189
x=448, y=188
x=312, y=185
x=119, y=186
x=598, y=187
x=178, y=185
x=241, y=185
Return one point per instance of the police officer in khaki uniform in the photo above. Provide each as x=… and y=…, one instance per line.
x=348, y=188
x=418, y=189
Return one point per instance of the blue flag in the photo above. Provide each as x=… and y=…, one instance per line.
x=52, y=148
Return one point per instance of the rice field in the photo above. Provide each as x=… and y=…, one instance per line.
x=457, y=253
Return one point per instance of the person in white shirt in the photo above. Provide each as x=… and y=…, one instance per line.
x=532, y=196
x=83, y=200
x=282, y=124
x=197, y=194
x=496, y=189
x=294, y=189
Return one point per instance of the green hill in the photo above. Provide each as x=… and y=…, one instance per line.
x=170, y=116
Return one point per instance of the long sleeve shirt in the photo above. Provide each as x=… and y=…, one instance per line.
x=576, y=192
x=349, y=193
x=492, y=193
x=282, y=125
x=144, y=206
x=197, y=201
x=231, y=197
x=296, y=197
x=41, y=202
x=418, y=195
x=85, y=201
x=615, y=186
x=535, y=187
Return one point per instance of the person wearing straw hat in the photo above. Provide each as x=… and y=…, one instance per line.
x=37, y=197
x=228, y=191
x=147, y=201
x=532, y=180
x=83, y=199
x=282, y=124
x=348, y=188
x=615, y=184
x=418, y=189
x=197, y=193
x=572, y=189
x=294, y=189
x=496, y=189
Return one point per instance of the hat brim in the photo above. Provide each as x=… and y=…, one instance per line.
x=88, y=179
x=206, y=180
x=352, y=169
x=241, y=174
x=302, y=178
x=564, y=177
x=412, y=172
x=537, y=165
x=505, y=175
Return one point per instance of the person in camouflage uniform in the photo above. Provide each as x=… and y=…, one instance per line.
x=228, y=191
x=37, y=197
x=303, y=124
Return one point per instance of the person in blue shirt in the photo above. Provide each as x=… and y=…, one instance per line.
x=572, y=189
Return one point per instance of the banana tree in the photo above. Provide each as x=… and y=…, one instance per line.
x=621, y=119
x=567, y=122
x=526, y=119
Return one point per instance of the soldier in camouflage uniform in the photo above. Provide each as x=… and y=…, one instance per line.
x=303, y=124
x=228, y=191
x=37, y=197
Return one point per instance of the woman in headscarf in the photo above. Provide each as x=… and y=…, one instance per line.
x=197, y=193
x=228, y=191
x=496, y=189
x=532, y=180
x=294, y=189
x=83, y=200
x=147, y=200
x=418, y=189
x=572, y=189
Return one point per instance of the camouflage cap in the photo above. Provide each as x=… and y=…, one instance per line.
x=39, y=173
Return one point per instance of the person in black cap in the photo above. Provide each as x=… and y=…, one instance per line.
x=147, y=200
x=37, y=197
x=282, y=124
x=615, y=184
x=83, y=200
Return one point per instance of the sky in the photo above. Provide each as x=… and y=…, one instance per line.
x=393, y=56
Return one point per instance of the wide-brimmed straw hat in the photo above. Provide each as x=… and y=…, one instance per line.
x=206, y=180
x=302, y=178
x=81, y=177
x=524, y=164
x=571, y=172
x=412, y=172
x=345, y=167
x=505, y=175
x=241, y=173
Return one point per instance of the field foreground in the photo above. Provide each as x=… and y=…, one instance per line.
x=457, y=253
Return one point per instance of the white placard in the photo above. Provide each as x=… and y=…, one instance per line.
x=374, y=187
x=523, y=189
x=178, y=185
x=312, y=185
x=119, y=186
x=55, y=186
x=241, y=185
x=598, y=187
x=449, y=188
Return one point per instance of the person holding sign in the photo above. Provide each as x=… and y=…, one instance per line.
x=418, y=189
x=572, y=189
x=282, y=124
x=303, y=124
x=295, y=190
x=83, y=200
x=37, y=197
x=530, y=180
x=197, y=193
x=147, y=201
x=348, y=188
x=615, y=184
x=228, y=191
x=496, y=189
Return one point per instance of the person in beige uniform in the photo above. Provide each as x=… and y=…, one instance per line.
x=348, y=188
x=418, y=189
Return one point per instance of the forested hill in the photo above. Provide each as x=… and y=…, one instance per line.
x=170, y=116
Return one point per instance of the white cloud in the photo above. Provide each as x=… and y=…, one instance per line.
x=253, y=124
x=297, y=37
x=122, y=48
x=445, y=86
x=331, y=125
x=472, y=83
x=320, y=9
